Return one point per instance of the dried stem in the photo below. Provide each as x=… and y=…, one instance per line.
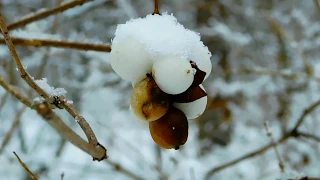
x=25, y=167
x=294, y=133
x=59, y=44
x=93, y=148
x=156, y=7
x=310, y=136
x=124, y=171
x=14, y=125
x=97, y=152
x=305, y=113
x=269, y=134
x=43, y=14
x=13, y=90
x=25, y=76
x=3, y=98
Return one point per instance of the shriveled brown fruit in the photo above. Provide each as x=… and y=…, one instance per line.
x=148, y=101
x=171, y=130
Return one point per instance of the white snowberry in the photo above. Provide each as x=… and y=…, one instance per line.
x=193, y=109
x=173, y=74
x=130, y=59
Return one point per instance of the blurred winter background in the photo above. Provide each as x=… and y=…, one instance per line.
x=266, y=68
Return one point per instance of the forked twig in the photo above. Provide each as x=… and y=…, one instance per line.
x=294, y=133
x=59, y=44
x=14, y=91
x=14, y=125
x=269, y=134
x=99, y=152
x=44, y=110
x=25, y=167
x=43, y=14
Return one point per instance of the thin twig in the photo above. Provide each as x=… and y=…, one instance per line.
x=156, y=7
x=122, y=170
x=294, y=133
x=13, y=90
x=245, y=157
x=3, y=99
x=25, y=167
x=59, y=44
x=44, y=110
x=97, y=150
x=269, y=134
x=25, y=76
x=305, y=113
x=309, y=136
x=14, y=125
x=45, y=13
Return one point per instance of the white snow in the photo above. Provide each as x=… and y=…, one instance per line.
x=140, y=42
x=42, y=83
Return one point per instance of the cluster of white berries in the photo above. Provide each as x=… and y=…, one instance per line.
x=159, y=46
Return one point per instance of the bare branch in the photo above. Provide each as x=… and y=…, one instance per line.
x=13, y=91
x=43, y=14
x=82, y=123
x=122, y=170
x=97, y=151
x=305, y=113
x=3, y=98
x=25, y=167
x=247, y=156
x=309, y=136
x=14, y=125
x=281, y=164
x=25, y=76
x=59, y=44
x=293, y=133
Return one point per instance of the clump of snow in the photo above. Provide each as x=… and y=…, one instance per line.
x=42, y=83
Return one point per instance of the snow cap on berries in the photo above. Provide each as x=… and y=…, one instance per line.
x=139, y=43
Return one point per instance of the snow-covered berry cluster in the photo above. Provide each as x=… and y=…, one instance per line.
x=166, y=64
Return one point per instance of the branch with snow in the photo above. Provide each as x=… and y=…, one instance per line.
x=44, y=108
x=98, y=152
